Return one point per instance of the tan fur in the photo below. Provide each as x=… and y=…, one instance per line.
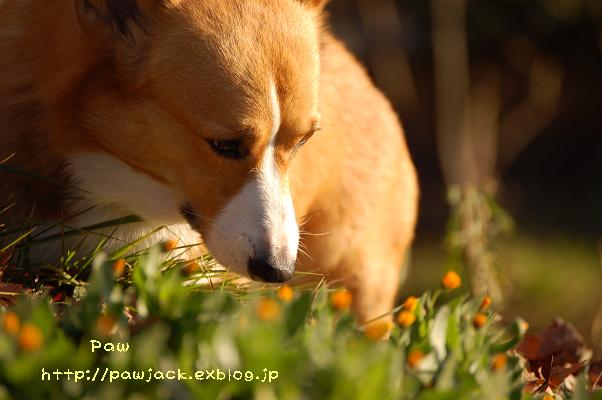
x=151, y=90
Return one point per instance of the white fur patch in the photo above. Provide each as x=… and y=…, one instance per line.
x=276, y=114
x=106, y=180
x=109, y=189
x=260, y=219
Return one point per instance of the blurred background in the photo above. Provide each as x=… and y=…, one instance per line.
x=502, y=106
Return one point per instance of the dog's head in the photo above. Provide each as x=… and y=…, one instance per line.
x=201, y=105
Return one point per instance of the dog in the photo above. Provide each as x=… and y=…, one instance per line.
x=231, y=122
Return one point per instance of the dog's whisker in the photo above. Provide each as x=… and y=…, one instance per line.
x=307, y=255
x=306, y=218
x=314, y=234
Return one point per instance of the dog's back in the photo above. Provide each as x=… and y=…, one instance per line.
x=33, y=181
x=362, y=184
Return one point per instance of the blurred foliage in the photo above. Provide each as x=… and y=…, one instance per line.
x=476, y=221
x=570, y=10
x=318, y=350
x=514, y=38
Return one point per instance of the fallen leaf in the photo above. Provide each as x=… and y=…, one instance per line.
x=595, y=374
x=8, y=292
x=553, y=354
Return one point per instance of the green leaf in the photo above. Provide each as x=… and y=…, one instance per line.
x=128, y=248
x=101, y=281
x=517, y=332
x=454, y=340
x=446, y=376
x=298, y=314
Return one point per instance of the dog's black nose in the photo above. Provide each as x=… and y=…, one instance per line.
x=265, y=269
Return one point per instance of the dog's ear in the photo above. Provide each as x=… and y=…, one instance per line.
x=315, y=4
x=118, y=28
x=115, y=20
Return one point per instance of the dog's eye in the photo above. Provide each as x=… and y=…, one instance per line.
x=305, y=139
x=227, y=148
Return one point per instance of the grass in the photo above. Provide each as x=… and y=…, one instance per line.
x=545, y=276
x=287, y=343
x=313, y=346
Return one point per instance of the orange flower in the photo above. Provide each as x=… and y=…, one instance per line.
x=410, y=304
x=406, y=318
x=268, y=309
x=485, y=303
x=105, y=325
x=191, y=268
x=414, y=357
x=548, y=397
x=11, y=323
x=378, y=330
x=524, y=325
x=451, y=280
x=170, y=245
x=119, y=268
x=341, y=299
x=30, y=338
x=285, y=293
x=479, y=320
x=499, y=362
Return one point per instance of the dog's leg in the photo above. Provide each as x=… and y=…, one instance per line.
x=373, y=278
x=371, y=267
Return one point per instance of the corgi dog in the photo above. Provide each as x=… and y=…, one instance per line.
x=228, y=122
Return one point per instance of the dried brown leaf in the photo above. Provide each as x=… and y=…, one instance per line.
x=8, y=292
x=552, y=355
x=595, y=374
